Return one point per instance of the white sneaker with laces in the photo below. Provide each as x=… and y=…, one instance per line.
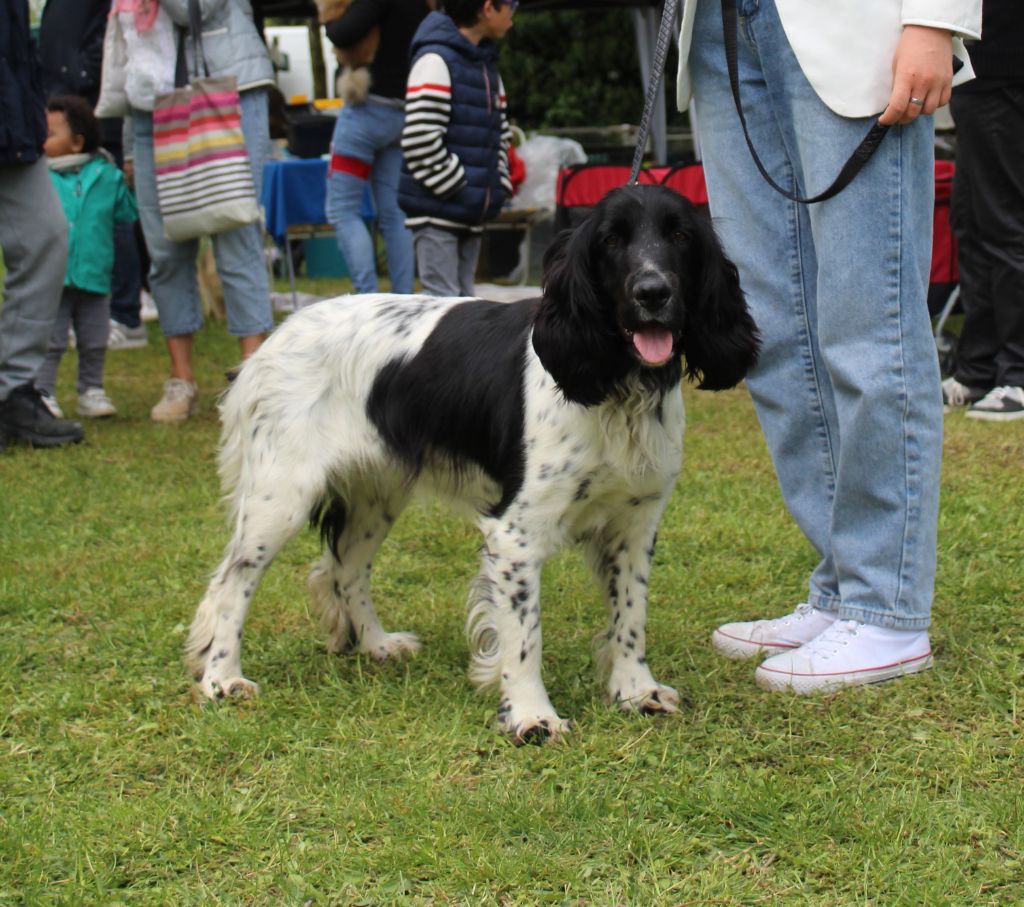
x=1001, y=404
x=745, y=639
x=50, y=402
x=847, y=654
x=95, y=404
x=180, y=400
x=122, y=337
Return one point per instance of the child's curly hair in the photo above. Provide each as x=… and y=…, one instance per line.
x=81, y=120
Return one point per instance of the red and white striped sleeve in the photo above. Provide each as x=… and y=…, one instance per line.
x=428, y=106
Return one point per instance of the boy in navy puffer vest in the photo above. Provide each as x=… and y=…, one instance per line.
x=455, y=140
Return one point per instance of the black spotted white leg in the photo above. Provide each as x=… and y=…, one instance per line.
x=213, y=652
x=340, y=584
x=622, y=563
x=505, y=634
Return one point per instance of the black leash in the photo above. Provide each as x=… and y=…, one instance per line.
x=850, y=169
x=668, y=16
x=730, y=26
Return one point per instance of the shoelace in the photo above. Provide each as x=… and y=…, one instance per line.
x=177, y=389
x=830, y=641
x=1007, y=391
x=799, y=613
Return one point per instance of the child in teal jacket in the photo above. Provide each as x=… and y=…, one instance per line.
x=94, y=196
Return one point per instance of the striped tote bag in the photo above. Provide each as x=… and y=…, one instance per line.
x=203, y=176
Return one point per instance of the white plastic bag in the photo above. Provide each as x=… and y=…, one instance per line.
x=544, y=156
x=113, y=99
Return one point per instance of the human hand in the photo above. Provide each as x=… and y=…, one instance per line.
x=922, y=69
x=128, y=168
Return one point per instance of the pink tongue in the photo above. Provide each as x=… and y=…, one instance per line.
x=654, y=344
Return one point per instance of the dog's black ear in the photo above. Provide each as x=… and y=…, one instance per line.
x=573, y=333
x=721, y=340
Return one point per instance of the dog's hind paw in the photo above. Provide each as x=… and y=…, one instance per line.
x=661, y=700
x=390, y=645
x=229, y=688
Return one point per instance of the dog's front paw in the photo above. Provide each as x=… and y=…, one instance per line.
x=661, y=700
x=228, y=688
x=531, y=726
x=390, y=645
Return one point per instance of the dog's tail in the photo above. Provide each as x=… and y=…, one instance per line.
x=231, y=454
x=354, y=84
x=485, y=664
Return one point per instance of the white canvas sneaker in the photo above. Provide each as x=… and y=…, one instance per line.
x=745, y=639
x=848, y=653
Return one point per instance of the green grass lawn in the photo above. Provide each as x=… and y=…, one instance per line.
x=349, y=782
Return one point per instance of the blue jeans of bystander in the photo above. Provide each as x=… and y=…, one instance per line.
x=370, y=134
x=847, y=386
x=238, y=253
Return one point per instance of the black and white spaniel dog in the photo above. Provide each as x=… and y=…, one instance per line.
x=555, y=420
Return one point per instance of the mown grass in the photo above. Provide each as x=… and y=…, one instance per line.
x=352, y=783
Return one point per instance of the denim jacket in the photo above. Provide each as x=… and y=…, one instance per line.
x=232, y=45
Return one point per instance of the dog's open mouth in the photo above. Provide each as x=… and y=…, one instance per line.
x=653, y=343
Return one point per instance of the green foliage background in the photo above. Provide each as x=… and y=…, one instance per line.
x=575, y=68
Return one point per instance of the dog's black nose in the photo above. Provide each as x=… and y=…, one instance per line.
x=652, y=292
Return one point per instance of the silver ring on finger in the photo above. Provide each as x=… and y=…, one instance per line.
x=917, y=102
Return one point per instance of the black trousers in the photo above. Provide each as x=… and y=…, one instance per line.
x=987, y=216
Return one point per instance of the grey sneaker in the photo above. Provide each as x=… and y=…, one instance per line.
x=745, y=639
x=180, y=400
x=122, y=337
x=956, y=394
x=1001, y=404
x=95, y=404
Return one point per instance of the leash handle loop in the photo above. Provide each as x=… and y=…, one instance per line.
x=861, y=155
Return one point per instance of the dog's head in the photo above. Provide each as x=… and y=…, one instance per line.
x=640, y=283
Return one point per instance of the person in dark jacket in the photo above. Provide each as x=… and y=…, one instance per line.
x=365, y=146
x=71, y=46
x=33, y=237
x=455, y=141
x=987, y=216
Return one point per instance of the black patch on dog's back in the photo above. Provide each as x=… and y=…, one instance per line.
x=461, y=395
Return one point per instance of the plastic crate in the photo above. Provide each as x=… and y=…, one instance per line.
x=324, y=258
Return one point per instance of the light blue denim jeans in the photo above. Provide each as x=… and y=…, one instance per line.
x=238, y=253
x=370, y=132
x=847, y=385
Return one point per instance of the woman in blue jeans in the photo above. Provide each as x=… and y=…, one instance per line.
x=231, y=46
x=366, y=145
x=847, y=385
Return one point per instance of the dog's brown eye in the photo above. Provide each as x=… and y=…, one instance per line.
x=611, y=241
x=680, y=236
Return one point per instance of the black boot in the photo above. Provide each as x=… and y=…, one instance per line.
x=24, y=416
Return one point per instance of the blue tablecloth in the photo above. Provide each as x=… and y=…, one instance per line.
x=293, y=193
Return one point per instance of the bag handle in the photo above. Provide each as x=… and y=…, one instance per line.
x=195, y=28
x=861, y=155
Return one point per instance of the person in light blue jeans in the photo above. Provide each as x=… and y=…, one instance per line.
x=173, y=278
x=229, y=45
x=847, y=384
x=366, y=147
